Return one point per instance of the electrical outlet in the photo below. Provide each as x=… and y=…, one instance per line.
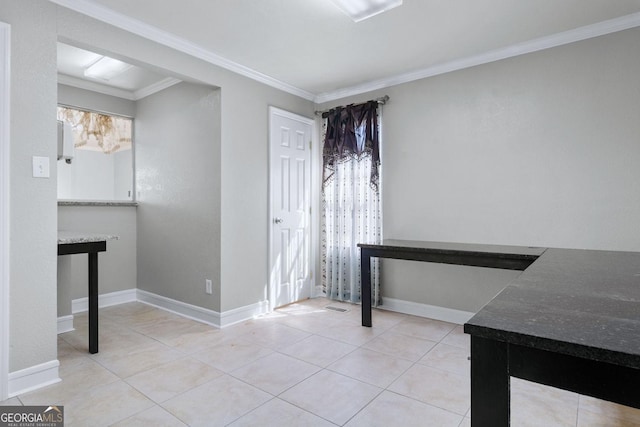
x=208, y=286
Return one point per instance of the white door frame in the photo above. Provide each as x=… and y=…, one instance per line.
x=314, y=196
x=5, y=51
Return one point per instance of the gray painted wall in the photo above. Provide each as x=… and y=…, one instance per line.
x=555, y=131
x=36, y=26
x=244, y=148
x=117, y=266
x=537, y=150
x=32, y=329
x=81, y=98
x=178, y=183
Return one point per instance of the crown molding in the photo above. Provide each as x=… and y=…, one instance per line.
x=101, y=13
x=95, y=87
x=581, y=33
x=113, y=91
x=104, y=14
x=155, y=87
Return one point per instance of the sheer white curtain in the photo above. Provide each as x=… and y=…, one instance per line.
x=351, y=215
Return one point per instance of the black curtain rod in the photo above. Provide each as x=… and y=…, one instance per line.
x=382, y=100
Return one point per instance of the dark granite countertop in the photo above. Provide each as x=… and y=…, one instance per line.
x=455, y=248
x=579, y=302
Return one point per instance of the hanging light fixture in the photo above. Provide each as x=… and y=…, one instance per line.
x=359, y=10
x=97, y=132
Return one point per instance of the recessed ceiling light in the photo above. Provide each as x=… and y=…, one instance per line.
x=359, y=10
x=106, y=68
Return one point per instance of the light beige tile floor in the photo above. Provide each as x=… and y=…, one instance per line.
x=303, y=365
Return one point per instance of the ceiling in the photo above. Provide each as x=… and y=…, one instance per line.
x=134, y=83
x=309, y=47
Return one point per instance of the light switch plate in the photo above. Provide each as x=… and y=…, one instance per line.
x=40, y=167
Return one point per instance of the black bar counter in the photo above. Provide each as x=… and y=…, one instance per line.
x=492, y=256
x=571, y=320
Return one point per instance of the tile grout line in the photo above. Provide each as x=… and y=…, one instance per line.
x=348, y=318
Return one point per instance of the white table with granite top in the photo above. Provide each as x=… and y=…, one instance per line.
x=72, y=242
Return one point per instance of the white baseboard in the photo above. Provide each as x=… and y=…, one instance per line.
x=231, y=317
x=190, y=311
x=211, y=317
x=237, y=315
x=81, y=305
x=34, y=377
x=65, y=324
x=425, y=310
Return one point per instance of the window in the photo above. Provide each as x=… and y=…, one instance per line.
x=352, y=206
x=102, y=165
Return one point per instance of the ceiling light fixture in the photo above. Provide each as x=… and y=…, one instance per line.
x=359, y=10
x=106, y=68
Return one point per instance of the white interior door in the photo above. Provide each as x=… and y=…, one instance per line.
x=290, y=198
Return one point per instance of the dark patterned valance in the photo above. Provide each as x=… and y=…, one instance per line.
x=352, y=133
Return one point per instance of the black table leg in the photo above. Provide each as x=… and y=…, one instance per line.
x=365, y=286
x=490, y=384
x=93, y=302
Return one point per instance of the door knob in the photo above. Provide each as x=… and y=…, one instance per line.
x=277, y=220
